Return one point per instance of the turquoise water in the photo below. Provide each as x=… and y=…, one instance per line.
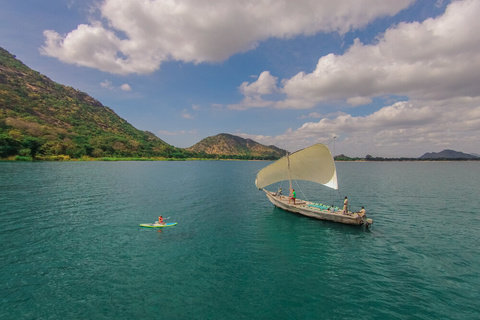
x=71, y=247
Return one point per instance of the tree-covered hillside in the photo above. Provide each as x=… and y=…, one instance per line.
x=39, y=117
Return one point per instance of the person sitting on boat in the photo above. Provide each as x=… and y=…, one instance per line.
x=160, y=220
x=293, y=196
x=345, y=205
x=279, y=192
x=361, y=213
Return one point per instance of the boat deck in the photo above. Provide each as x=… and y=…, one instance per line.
x=313, y=210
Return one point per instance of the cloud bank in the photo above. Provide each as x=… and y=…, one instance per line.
x=435, y=64
x=390, y=129
x=436, y=59
x=137, y=36
x=432, y=65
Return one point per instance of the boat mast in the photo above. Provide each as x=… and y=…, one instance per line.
x=289, y=173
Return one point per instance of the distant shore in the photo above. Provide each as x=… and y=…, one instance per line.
x=82, y=159
x=86, y=159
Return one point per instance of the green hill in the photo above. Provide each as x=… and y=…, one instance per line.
x=39, y=117
x=230, y=146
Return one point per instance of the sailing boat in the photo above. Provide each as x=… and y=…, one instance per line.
x=315, y=164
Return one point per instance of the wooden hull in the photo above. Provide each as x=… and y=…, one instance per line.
x=308, y=209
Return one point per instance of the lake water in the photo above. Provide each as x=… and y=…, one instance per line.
x=71, y=246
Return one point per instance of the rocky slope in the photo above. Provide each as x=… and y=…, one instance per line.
x=230, y=145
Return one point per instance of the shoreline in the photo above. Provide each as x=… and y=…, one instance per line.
x=63, y=158
x=112, y=159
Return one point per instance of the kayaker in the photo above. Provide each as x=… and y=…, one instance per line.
x=160, y=220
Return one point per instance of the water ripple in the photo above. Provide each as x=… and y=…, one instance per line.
x=71, y=246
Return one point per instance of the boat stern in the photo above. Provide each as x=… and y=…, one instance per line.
x=368, y=222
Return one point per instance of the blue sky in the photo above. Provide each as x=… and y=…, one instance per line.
x=387, y=78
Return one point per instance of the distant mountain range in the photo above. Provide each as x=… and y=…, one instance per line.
x=448, y=154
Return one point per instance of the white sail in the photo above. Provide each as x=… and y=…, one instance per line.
x=314, y=164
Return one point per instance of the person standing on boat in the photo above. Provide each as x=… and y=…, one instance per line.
x=293, y=196
x=345, y=205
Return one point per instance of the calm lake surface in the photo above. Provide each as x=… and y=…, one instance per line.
x=71, y=246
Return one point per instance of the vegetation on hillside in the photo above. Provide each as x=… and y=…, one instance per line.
x=225, y=145
x=42, y=119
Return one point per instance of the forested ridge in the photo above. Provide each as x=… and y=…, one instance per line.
x=41, y=118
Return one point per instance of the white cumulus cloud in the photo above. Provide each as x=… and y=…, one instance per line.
x=136, y=36
x=434, y=65
x=264, y=85
x=438, y=58
x=125, y=87
x=421, y=125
